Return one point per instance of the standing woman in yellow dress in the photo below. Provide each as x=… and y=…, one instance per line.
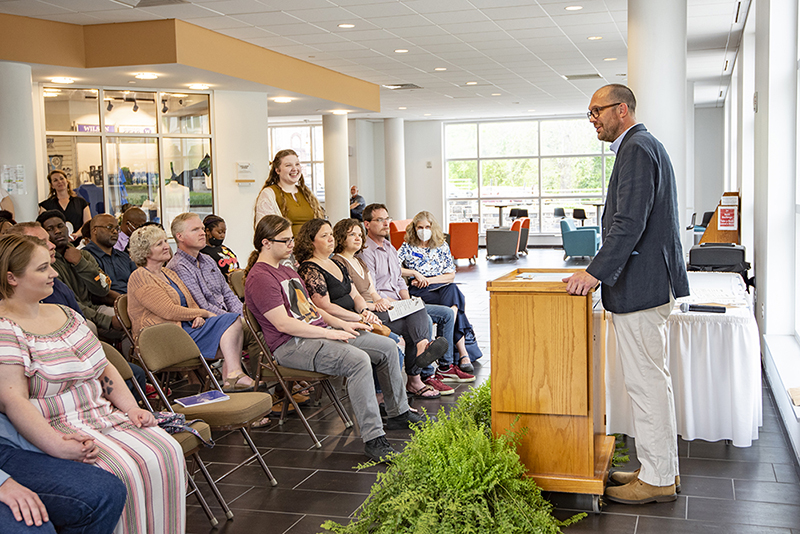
x=285, y=193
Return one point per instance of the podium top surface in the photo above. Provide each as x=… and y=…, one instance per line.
x=539, y=280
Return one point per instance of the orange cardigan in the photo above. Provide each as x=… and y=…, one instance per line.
x=152, y=301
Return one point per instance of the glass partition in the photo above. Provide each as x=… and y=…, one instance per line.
x=184, y=113
x=71, y=110
x=129, y=112
x=133, y=176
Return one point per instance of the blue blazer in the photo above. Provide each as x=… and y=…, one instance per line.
x=641, y=257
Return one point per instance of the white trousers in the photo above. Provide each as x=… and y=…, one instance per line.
x=642, y=351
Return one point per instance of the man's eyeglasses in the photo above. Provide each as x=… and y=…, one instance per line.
x=382, y=220
x=284, y=241
x=109, y=227
x=595, y=112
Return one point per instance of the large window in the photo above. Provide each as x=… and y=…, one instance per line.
x=306, y=140
x=538, y=165
x=141, y=148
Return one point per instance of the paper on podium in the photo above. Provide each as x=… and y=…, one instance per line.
x=544, y=277
x=401, y=308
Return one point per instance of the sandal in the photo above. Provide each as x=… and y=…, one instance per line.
x=420, y=393
x=232, y=385
x=261, y=424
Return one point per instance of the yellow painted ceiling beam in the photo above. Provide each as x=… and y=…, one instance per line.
x=29, y=40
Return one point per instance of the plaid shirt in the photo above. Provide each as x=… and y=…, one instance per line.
x=206, y=284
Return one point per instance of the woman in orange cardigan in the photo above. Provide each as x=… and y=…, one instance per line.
x=157, y=295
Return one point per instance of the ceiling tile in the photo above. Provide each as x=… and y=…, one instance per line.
x=323, y=39
x=389, y=9
x=526, y=23
x=419, y=31
x=298, y=4
x=233, y=7
x=28, y=8
x=517, y=12
x=217, y=23
x=326, y=14
x=270, y=42
x=467, y=28
x=248, y=32
x=294, y=30
x=180, y=11
x=79, y=6
x=266, y=19
x=124, y=15
x=450, y=17
x=399, y=21
x=438, y=6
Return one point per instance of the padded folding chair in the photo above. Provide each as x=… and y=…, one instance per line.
x=190, y=443
x=236, y=281
x=286, y=376
x=121, y=311
x=167, y=345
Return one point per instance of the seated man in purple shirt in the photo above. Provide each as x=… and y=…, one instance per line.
x=383, y=262
x=202, y=277
x=132, y=219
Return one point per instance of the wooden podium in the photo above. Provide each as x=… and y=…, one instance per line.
x=548, y=365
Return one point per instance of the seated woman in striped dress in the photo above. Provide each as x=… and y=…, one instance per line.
x=55, y=381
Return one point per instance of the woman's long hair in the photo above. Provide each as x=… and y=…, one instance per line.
x=437, y=235
x=53, y=193
x=304, y=242
x=274, y=179
x=267, y=228
x=343, y=228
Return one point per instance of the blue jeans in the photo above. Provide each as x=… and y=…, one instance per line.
x=79, y=498
x=394, y=337
x=445, y=318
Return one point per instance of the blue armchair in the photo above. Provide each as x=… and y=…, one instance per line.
x=584, y=241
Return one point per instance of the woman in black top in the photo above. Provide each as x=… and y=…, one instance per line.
x=64, y=199
x=329, y=286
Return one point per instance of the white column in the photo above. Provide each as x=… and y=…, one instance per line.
x=394, y=141
x=17, y=137
x=337, y=175
x=657, y=76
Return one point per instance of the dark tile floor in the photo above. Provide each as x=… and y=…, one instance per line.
x=726, y=490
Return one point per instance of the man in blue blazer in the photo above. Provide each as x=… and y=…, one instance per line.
x=641, y=267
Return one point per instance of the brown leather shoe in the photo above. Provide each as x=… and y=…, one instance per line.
x=620, y=478
x=638, y=492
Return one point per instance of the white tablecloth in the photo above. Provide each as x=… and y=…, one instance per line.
x=715, y=363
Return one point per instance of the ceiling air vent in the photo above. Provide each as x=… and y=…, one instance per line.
x=573, y=77
x=401, y=86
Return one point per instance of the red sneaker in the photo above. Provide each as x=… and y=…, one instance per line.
x=439, y=386
x=454, y=374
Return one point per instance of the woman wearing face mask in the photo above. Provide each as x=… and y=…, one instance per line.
x=215, y=234
x=426, y=257
x=285, y=193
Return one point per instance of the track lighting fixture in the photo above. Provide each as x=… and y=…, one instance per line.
x=165, y=108
x=135, y=106
x=110, y=106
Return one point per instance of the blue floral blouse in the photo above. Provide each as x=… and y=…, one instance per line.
x=427, y=261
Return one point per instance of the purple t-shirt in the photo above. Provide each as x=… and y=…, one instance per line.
x=267, y=288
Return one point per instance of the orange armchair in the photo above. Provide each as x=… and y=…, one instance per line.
x=397, y=232
x=464, y=240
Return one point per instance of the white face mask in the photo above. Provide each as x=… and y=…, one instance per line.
x=424, y=234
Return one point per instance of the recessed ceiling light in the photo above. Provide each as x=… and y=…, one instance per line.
x=347, y=25
x=282, y=100
x=472, y=83
x=62, y=80
x=573, y=8
x=531, y=110
x=440, y=68
x=146, y=76
x=402, y=107
x=609, y=59
x=427, y=114
x=495, y=94
x=198, y=86
x=339, y=112
x=400, y=51
x=50, y=95
x=594, y=38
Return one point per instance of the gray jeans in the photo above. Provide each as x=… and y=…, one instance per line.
x=354, y=360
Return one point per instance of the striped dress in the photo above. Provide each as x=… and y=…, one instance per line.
x=63, y=370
